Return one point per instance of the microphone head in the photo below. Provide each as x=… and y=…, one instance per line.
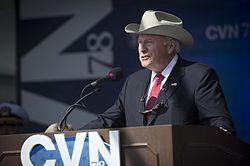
x=115, y=74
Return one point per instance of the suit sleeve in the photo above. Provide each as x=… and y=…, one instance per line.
x=211, y=102
x=114, y=117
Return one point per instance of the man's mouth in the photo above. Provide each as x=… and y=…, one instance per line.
x=145, y=57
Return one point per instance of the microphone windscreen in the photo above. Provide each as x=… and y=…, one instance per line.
x=115, y=74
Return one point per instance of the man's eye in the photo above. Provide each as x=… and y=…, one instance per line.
x=149, y=42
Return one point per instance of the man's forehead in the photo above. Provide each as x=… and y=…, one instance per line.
x=146, y=36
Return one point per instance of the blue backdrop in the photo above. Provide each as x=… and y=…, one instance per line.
x=221, y=30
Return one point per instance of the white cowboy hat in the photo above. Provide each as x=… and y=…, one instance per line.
x=161, y=23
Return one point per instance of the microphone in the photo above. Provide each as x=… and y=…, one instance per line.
x=158, y=109
x=143, y=98
x=62, y=124
x=114, y=75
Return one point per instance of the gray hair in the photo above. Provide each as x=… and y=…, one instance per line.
x=177, y=46
x=176, y=42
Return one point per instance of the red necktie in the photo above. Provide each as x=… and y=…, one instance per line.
x=154, y=93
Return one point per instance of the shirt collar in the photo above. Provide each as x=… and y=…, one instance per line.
x=166, y=72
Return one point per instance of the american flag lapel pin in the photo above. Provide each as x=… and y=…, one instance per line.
x=174, y=84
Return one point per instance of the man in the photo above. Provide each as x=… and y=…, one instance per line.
x=190, y=92
x=170, y=90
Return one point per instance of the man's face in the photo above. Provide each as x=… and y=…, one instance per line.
x=153, y=52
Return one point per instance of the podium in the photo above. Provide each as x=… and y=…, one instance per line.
x=164, y=145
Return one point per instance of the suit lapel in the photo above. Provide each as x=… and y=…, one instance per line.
x=170, y=86
x=173, y=82
x=143, y=93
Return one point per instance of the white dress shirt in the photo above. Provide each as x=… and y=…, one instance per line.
x=166, y=72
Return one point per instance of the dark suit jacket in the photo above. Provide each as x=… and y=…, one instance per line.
x=191, y=95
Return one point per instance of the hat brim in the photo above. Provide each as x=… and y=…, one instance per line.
x=182, y=35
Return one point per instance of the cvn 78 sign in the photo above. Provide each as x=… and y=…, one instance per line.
x=79, y=150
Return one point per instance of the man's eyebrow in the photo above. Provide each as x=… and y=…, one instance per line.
x=148, y=39
x=145, y=40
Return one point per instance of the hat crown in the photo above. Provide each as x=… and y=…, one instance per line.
x=152, y=18
x=161, y=23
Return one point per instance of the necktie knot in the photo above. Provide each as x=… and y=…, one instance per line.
x=159, y=78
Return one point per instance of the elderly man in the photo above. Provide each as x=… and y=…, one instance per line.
x=170, y=90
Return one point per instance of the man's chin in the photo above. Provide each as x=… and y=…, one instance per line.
x=145, y=64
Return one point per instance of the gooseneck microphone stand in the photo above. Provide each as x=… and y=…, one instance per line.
x=62, y=124
x=114, y=75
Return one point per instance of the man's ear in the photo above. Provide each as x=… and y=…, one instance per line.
x=171, y=47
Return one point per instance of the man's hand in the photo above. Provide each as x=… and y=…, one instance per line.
x=53, y=128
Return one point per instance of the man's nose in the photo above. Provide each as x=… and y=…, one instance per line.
x=142, y=49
